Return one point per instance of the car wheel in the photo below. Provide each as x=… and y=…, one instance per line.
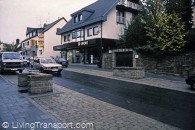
x=2, y=71
x=193, y=86
x=42, y=71
x=20, y=71
x=59, y=72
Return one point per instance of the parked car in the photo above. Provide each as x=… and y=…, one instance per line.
x=26, y=61
x=47, y=65
x=62, y=61
x=190, y=80
x=11, y=61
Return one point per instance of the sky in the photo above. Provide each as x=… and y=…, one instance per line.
x=17, y=15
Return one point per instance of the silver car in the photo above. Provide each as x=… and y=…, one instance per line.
x=47, y=65
x=11, y=61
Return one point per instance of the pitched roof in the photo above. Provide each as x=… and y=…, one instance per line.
x=98, y=11
x=30, y=29
x=48, y=26
x=42, y=30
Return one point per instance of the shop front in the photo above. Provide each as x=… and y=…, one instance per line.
x=87, y=52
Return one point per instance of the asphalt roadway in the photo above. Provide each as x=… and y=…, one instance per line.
x=168, y=106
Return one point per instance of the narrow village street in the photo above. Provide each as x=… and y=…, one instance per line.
x=97, y=65
x=88, y=96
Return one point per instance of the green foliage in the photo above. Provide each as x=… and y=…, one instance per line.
x=8, y=47
x=159, y=29
x=134, y=35
x=167, y=32
x=181, y=8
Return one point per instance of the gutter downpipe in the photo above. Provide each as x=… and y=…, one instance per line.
x=101, y=54
x=61, y=45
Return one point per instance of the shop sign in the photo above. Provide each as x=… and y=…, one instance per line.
x=85, y=43
x=41, y=40
x=33, y=42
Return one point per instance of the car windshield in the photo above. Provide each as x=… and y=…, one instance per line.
x=47, y=61
x=11, y=56
x=62, y=59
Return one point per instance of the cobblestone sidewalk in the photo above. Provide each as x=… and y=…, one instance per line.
x=151, y=82
x=16, y=108
x=70, y=106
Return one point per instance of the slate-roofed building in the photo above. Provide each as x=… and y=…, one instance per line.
x=40, y=41
x=95, y=29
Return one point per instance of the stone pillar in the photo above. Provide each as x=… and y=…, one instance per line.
x=73, y=56
x=35, y=83
x=40, y=83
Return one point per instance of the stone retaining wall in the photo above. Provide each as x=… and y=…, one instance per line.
x=129, y=72
x=180, y=65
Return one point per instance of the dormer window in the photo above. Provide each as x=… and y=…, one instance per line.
x=75, y=19
x=78, y=18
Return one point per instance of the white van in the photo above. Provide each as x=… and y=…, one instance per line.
x=11, y=61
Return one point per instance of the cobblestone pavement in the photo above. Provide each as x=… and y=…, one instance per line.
x=70, y=106
x=153, y=82
x=17, y=108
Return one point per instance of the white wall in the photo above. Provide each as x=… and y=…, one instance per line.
x=94, y=36
x=112, y=29
x=51, y=39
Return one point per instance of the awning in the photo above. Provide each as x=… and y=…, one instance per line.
x=87, y=43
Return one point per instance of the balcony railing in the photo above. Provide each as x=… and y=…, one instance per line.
x=129, y=4
x=120, y=20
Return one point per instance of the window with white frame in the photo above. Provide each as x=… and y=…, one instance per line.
x=40, y=52
x=68, y=37
x=89, y=32
x=65, y=38
x=78, y=34
x=75, y=19
x=96, y=30
x=120, y=17
x=74, y=35
x=80, y=17
x=82, y=33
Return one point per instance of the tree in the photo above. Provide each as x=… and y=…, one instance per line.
x=8, y=47
x=134, y=35
x=165, y=31
x=181, y=8
x=17, y=46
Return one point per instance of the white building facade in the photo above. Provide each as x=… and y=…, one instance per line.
x=40, y=41
x=96, y=29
